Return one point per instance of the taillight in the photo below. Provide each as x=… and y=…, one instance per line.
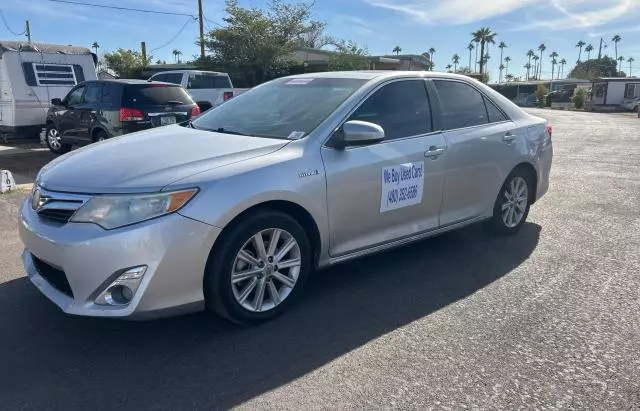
x=130, y=114
x=549, y=129
x=227, y=95
x=195, y=111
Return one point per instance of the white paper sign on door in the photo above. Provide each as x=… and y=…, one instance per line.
x=402, y=186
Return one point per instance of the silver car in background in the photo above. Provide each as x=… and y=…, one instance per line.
x=231, y=212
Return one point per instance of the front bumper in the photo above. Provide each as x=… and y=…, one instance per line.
x=174, y=249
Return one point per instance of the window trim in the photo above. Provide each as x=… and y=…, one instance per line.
x=70, y=66
x=423, y=80
x=484, y=96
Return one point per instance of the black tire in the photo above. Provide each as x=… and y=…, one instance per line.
x=497, y=224
x=100, y=135
x=62, y=148
x=636, y=108
x=218, y=291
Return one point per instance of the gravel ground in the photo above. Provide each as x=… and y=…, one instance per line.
x=547, y=319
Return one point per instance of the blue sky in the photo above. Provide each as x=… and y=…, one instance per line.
x=414, y=25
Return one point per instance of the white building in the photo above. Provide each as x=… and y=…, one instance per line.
x=610, y=92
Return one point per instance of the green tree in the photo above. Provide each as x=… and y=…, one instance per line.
x=540, y=93
x=563, y=63
x=616, y=39
x=509, y=77
x=455, y=60
x=620, y=60
x=448, y=67
x=535, y=66
x=542, y=47
x=553, y=56
x=126, y=63
x=96, y=46
x=580, y=45
x=176, y=54
x=348, y=57
x=501, y=46
x=592, y=69
x=257, y=44
x=506, y=67
x=528, y=67
x=630, y=60
x=588, y=49
x=397, y=50
x=484, y=36
x=432, y=51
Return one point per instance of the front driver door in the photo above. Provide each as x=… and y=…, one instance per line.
x=390, y=190
x=68, y=117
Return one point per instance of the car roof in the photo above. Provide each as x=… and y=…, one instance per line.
x=380, y=74
x=130, y=81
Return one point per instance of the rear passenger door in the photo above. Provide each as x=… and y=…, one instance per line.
x=481, y=149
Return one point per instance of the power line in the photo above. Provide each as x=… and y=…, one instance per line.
x=7, y=26
x=121, y=8
x=186, y=23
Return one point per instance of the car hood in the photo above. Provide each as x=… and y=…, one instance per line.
x=149, y=160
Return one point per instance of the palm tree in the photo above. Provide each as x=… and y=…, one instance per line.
x=485, y=36
x=536, y=65
x=507, y=60
x=580, y=45
x=432, y=51
x=176, y=53
x=530, y=54
x=621, y=60
x=616, y=39
x=630, y=60
x=528, y=67
x=475, y=66
x=563, y=62
x=501, y=46
x=588, y=49
x=501, y=67
x=397, y=50
x=541, y=48
x=455, y=60
x=470, y=47
x=96, y=46
x=448, y=67
x=509, y=77
x=553, y=56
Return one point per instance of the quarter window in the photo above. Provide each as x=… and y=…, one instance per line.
x=495, y=115
x=401, y=108
x=462, y=105
x=93, y=94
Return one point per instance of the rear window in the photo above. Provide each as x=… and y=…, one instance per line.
x=175, y=78
x=205, y=80
x=154, y=94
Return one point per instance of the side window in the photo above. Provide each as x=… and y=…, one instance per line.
x=495, y=115
x=401, y=108
x=175, y=78
x=462, y=105
x=74, y=98
x=158, y=77
x=111, y=94
x=93, y=94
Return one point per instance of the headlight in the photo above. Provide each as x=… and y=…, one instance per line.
x=113, y=211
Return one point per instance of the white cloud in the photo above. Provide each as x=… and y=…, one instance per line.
x=451, y=12
x=614, y=31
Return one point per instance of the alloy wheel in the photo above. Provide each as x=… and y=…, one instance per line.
x=516, y=197
x=265, y=270
x=53, y=137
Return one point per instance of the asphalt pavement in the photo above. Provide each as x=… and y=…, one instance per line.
x=547, y=319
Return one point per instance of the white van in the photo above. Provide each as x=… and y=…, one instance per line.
x=31, y=74
x=207, y=88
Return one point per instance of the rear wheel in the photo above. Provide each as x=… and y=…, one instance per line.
x=100, y=135
x=54, y=140
x=259, y=269
x=635, y=109
x=511, y=208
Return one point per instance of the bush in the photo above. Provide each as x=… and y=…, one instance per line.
x=541, y=92
x=579, y=97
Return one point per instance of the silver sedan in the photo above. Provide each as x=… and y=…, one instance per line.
x=232, y=211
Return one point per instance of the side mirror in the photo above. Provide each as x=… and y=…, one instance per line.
x=56, y=102
x=357, y=133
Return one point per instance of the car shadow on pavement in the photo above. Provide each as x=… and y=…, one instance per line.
x=54, y=361
x=24, y=165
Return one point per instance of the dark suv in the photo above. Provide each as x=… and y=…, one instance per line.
x=96, y=110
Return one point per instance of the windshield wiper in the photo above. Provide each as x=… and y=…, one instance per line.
x=228, y=131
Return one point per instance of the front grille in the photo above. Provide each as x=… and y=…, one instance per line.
x=57, y=278
x=55, y=206
x=60, y=215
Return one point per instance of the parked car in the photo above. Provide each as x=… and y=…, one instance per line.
x=96, y=110
x=232, y=211
x=207, y=88
x=631, y=104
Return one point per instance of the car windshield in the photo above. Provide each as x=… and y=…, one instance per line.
x=286, y=108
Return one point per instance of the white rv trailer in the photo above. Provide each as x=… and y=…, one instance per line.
x=31, y=74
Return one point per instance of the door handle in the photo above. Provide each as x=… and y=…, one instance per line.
x=509, y=137
x=434, y=152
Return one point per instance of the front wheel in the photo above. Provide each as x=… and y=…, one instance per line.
x=54, y=141
x=259, y=269
x=511, y=208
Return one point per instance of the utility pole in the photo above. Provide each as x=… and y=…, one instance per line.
x=143, y=46
x=200, y=18
x=600, y=49
x=27, y=31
